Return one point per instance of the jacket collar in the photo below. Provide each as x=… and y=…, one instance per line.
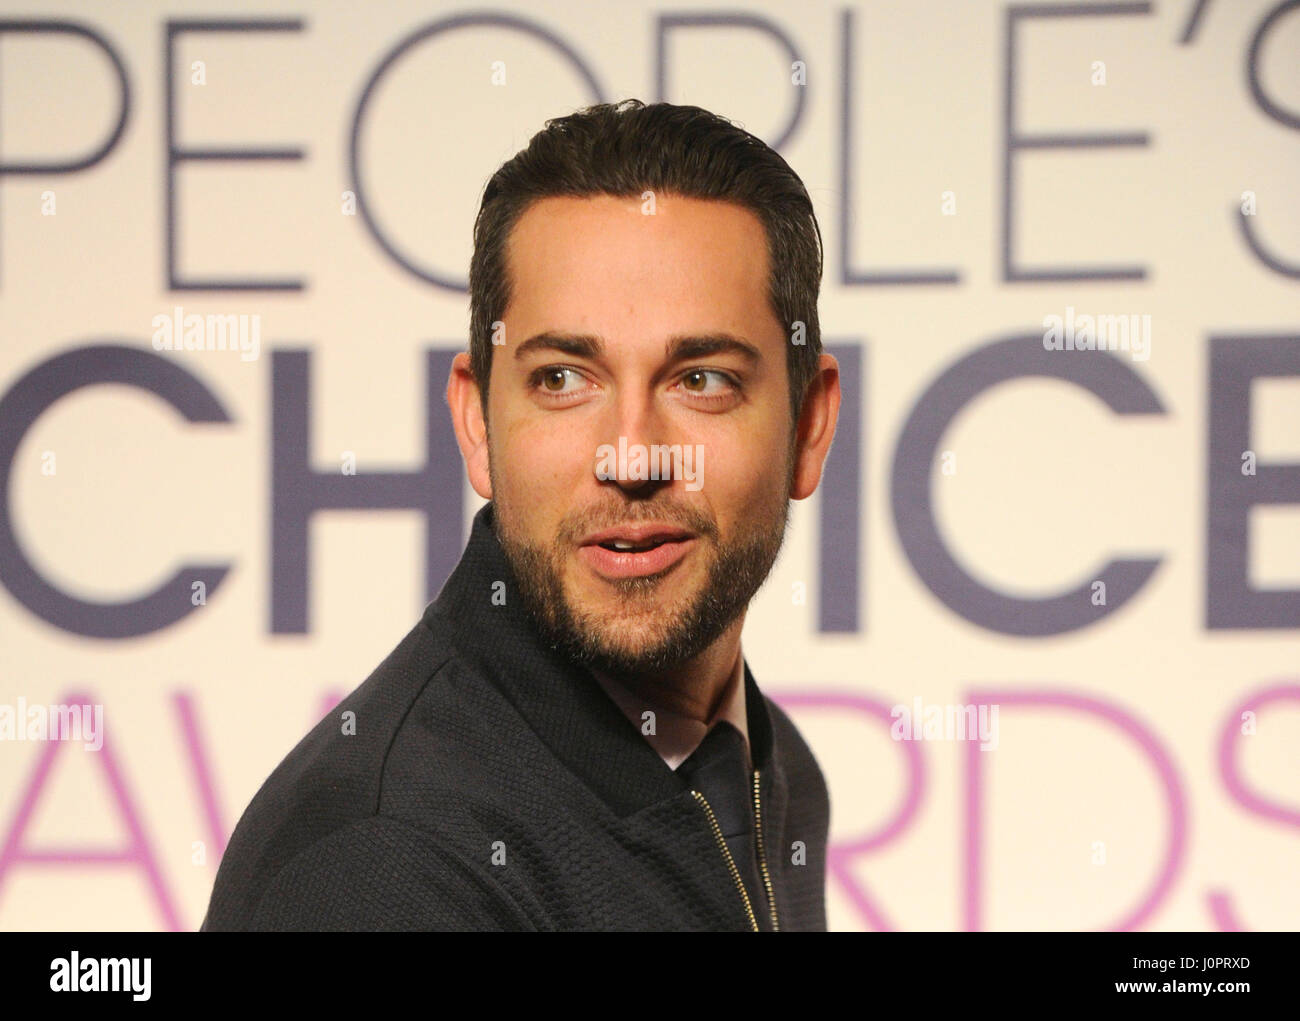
x=560, y=699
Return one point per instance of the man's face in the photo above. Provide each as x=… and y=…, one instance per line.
x=625, y=331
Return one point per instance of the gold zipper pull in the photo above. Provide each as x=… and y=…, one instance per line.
x=731, y=862
x=762, y=854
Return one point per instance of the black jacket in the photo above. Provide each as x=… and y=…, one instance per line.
x=491, y=784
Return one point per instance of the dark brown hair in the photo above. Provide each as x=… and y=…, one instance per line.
x=628, y=148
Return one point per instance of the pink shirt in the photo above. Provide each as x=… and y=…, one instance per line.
x=676, y=736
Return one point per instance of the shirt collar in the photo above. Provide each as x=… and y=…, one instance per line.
x=560, y=700
x=676, y=736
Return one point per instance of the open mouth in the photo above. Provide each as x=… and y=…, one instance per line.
x=627, y=546
x=635, y=551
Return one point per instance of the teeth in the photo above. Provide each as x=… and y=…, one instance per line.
x=625, y=546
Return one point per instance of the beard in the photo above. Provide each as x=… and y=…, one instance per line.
x=641, y=634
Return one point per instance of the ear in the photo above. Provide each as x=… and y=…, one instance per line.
x=467, y=420
x=816, y=428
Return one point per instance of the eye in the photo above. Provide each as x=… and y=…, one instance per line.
x=552, y=378
x=696, y=381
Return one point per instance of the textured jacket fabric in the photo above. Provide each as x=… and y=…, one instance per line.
x=492, y=784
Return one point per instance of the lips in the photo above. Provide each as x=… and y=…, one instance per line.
x=634, y=551
x=636, y=538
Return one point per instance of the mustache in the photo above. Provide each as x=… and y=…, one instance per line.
x=679, y=515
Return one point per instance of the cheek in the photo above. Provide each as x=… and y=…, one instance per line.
x=747, y=452
x=543, y=458
x=743, y=475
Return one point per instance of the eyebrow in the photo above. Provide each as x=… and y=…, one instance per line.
x=678, y=348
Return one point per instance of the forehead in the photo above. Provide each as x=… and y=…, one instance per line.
x=603, y=262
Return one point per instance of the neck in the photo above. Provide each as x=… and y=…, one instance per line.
x=697, y=687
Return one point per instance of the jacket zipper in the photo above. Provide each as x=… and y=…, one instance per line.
x=731, y=862
x=762, y=854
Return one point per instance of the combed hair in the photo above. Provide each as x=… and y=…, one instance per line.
x=627, y=148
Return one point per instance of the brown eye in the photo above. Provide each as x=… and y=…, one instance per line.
x=696, y=381
x=553, y=380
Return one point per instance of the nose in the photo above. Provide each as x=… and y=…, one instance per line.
x=631, y=440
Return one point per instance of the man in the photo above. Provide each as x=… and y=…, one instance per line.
x=570, y=737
